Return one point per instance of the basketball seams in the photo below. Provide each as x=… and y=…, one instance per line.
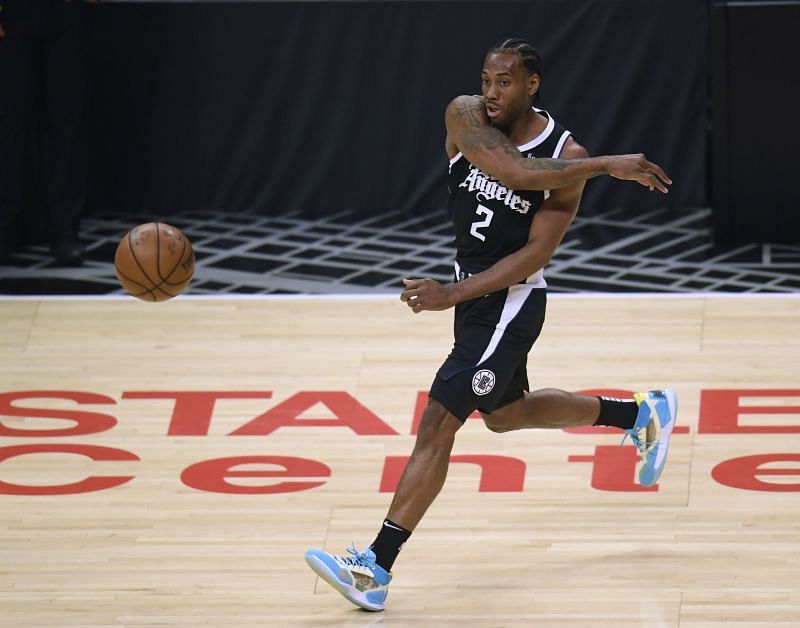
x=179, y=260
x=121, y=275
x=163, y=280
x=183, y=282
x=131, y=280
x=146, y=288
x=158, y=252
x=138, y=295
x=169, y=294
x=177, y=263
x=136, y=259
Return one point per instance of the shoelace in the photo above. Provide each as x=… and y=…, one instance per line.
x=360, y=559
x=638, y=439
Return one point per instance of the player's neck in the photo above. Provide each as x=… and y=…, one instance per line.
x=526, y=127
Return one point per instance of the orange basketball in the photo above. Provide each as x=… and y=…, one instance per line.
x=154, y=262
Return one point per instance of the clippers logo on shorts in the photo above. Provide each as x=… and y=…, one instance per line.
x=483, y=382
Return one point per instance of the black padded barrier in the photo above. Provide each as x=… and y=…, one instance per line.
x=755, y=128
x=321, y=106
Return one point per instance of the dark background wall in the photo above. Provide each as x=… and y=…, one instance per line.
x=320, y=106
x=755, y=95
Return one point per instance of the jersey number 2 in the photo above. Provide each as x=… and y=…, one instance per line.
x=478, y=224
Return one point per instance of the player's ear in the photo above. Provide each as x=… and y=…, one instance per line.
x=533, y=84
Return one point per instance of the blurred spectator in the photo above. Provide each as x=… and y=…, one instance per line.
x=43, y=86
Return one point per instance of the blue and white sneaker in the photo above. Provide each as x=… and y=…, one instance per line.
x=651, y=431
x=356, y=577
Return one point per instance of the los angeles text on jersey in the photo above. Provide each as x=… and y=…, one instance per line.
x=489, y=189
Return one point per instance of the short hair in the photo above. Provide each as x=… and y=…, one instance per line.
x=528, y=56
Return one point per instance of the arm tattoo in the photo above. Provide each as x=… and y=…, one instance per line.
x=471, y=113
x=475, y=132
x=488, y=137
x=546, y=164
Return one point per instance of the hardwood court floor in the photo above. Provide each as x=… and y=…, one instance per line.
x=560, y=535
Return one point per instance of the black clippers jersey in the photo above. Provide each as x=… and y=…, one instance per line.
x=490, y=220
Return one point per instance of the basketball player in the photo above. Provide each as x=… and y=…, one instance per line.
x=501, y=149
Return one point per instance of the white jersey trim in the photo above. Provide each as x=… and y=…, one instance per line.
x=560, y=146
x=551, y=123
x=536, y=280
x=515, y=299
x=542, y=136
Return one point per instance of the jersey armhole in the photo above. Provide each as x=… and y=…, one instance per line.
x=557, y=153
x=561, y=142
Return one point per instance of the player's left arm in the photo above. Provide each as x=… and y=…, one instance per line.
x=549, y=225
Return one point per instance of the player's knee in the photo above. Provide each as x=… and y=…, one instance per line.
x=437, y=422
x=496, y=423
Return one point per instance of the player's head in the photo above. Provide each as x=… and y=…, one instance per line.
x=512, y=76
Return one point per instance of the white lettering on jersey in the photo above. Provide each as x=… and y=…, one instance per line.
x=488, y=188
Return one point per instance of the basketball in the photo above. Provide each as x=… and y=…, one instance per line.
x=154, y=262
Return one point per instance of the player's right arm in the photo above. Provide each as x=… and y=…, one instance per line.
x=470, y=131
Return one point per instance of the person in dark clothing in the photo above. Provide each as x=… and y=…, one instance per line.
x=43, y=76
x=516, y=178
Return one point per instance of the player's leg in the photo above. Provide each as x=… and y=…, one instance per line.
x=426, y=470
x=551, y=408
x=475, y=374
x=518, y=409
x=546, y=408
x=363, y=577
x=648, y=419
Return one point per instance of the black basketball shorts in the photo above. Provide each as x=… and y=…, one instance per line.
x=487, y=367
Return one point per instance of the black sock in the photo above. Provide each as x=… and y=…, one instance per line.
x=388, y=543
x=619, y=413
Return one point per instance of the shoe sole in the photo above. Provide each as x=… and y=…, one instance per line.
x=346, y=590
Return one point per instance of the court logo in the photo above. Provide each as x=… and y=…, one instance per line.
x=483, y=382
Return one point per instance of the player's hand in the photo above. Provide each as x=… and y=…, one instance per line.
x=637, y=168
x=426, y=294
